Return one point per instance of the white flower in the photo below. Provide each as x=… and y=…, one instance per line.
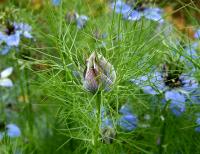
x=4, y=80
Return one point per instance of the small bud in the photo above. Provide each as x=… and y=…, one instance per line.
x=99, y=74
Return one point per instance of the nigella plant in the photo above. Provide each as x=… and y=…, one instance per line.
x=127, y=121
x=4, y=80
x=99, y=74
x=10, y=130
x=137, y=12
x=74, y=17
x=10, y=35
x=177, y=87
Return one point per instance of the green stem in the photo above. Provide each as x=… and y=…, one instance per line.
x=98, y=106
x=30, y=111
x=163, y=128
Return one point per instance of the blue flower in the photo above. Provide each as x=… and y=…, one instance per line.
x=11, y=36
x=121, y=7
x=11, y=40
x=154, y=14
x=187, y=89
x=24, y=29
x=5, y=50
x=197, y=34
x=129, y=13
x=125, y=109
x=56, y=2
x=75, y=18
x=134, y=15
x=177, y=101
x=128, y=121
x=151, y=83
x=11, y=131
x=81, y=21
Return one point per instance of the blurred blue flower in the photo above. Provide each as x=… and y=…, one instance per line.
x=11, y=40
x=154, y=83
x=154, y=14
x=11, y=36
x=129, y=13
x=151, y=83
x=4, y=50
x=197, y=34
x=11, y=131
x=197, y=129
x=24, y=29
x=125, y=109
x=81, y=21
x=120, y=7
x=128, y=121
x=134, y=15
x=177, y=101
x=75, y=18
x=56, y=2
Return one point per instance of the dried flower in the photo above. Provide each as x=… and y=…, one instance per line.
x=99, y=73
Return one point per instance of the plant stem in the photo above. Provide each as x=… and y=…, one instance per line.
x=163, y=128
x=98, y=106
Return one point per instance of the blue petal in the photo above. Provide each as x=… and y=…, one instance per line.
x=125, y=109
x=197, y=34
x=189, y=83
x=151, y=83
x=154, y=14
x=128, y=122
x=81, y=21
x=175, y=96
x=13, y=130
x=133, y=16
x=13, y=40
x=106, y=122
x=24, y=29
x=121, y=7
x=149, y=90
x=5, y=50
x=56, y=2
x=177, y=108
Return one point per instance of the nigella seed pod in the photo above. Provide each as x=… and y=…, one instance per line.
x=99, y=73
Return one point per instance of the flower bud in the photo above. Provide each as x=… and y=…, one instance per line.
x=99, y=73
